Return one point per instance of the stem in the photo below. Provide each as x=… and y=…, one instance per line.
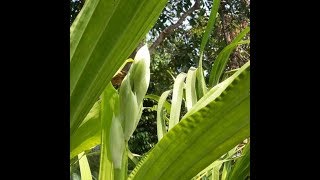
x=121, y=174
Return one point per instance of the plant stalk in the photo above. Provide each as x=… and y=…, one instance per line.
x=121, y=174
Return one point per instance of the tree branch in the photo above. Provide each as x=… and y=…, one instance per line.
x=166, y=32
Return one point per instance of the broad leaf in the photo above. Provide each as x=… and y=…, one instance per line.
x=103, y=36
x=216, y=128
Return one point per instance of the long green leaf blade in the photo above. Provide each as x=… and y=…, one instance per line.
x=191, y=95
x=223, y=57
x=109, y=106
x=201, y=87
x=200, y=83
x=90, y=72
x=166, y=104
x=133, y=157
x=217, y=90
x=209, y=28
x=241, y=169
x=216, y=128
x=89, y=23
x=216, y=164
x=216, y=172
x=227, y=165
x=161, y=124
x=84, y=167
x=226, y=170
x=176, y=100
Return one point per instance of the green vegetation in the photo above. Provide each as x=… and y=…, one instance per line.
x=200, y=113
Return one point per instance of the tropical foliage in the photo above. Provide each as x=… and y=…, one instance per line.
x=202, y=131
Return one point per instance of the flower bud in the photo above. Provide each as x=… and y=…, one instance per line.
x=117, y=143
x=129, y=108
x=133, y=90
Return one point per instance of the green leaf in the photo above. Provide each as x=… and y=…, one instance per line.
x=166, y=104
x=228, y=74
x=103, y=36
x=133, y=157
x=109, y=109
x=191, y=95
x=217, y=90
x=201, y=87
x=209, y=28
x=123, y=65
x=220, y=63
x=216, y=165
x=228, y=164
x=89, y=23
x=241, y=169
x=200, y=83
x=84, y=167
x=85, y=33
x=226, y=170
x=216, y=128
x=176, y=100
x=216, y=172
x=88, y=134
x=161, y=124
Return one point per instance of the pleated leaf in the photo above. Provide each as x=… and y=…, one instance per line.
x=213, y=129
x=102, y=37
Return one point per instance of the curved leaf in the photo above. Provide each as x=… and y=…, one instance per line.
x=200, y=83
x=161, y=124
x=191, y=95
x=223, y=57
x=216, y=128
x=166, y=104
x=210, y=25
x=176, y=100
